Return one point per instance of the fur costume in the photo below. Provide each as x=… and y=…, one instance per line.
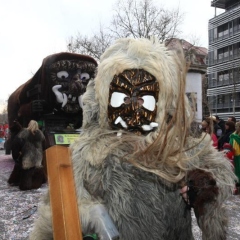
x=135, y=151
x=28, y=172
x=54, y=94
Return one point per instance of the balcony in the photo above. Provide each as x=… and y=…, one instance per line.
x=224, y=4
x=224, y=17
x=236, y=30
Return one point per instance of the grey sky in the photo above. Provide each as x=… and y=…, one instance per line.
x=31, y=30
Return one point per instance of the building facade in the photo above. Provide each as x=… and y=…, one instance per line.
x=223, y=93
x=196, y=76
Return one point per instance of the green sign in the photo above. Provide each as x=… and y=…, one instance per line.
x=65, y=138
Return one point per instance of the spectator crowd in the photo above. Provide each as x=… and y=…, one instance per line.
x=4, y=130
x=225, y=137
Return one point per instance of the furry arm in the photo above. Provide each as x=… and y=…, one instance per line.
x=212, y=187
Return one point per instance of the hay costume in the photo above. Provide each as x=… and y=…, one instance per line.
x=135, y=151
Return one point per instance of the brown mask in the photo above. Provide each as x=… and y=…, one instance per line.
x=132, y=101
x=69, y=79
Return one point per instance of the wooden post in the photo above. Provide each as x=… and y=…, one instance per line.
x=66, y=221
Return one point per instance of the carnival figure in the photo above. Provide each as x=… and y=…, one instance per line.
x=136, y=152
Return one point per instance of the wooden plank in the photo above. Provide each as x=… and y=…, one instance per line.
x=66, y=221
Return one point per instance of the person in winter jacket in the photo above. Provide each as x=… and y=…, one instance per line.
x=225, y=138
x=220, y=122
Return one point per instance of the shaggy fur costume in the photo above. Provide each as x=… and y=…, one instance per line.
x=28, y=172
x=137, y=178
x=35, y=99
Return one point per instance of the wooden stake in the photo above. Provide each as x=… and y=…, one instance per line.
x=66, y=221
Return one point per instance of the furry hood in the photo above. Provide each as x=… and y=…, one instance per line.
x=168, y=67
x=160, y=149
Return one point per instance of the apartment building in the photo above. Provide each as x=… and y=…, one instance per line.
x=223, y=72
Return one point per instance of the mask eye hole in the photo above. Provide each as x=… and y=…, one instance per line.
x=62, y=74
x=118, y=98
x=148, y=102
x=85, y=76
x=127, y=100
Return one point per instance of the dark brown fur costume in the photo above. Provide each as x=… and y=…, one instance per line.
x=202, y=189
x=35, y=98
x=27, y=179
x=29, y=175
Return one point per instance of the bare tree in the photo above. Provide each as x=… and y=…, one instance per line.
x=93, y=46
x=131, y=18
x=143, y=19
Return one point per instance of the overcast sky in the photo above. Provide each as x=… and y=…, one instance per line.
x=30, y=30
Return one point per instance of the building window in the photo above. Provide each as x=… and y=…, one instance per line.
x=220, y=77
x=230, y=51
x=226, y=76
x=236, y=25
x=211, y=35
x=223, y=53
x=221, y=99
x=231, y=74
x=223, y=77
x=238, y=97
x=223, y=30
x=230, y=27
x=220, y=54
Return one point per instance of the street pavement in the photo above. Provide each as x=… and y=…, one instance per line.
x=18, y=209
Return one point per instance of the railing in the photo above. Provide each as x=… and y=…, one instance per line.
x=225, y=105
x=223, y=66
x=230, y=81
x=236, y=29
x=228, y=10
x=224, y=59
